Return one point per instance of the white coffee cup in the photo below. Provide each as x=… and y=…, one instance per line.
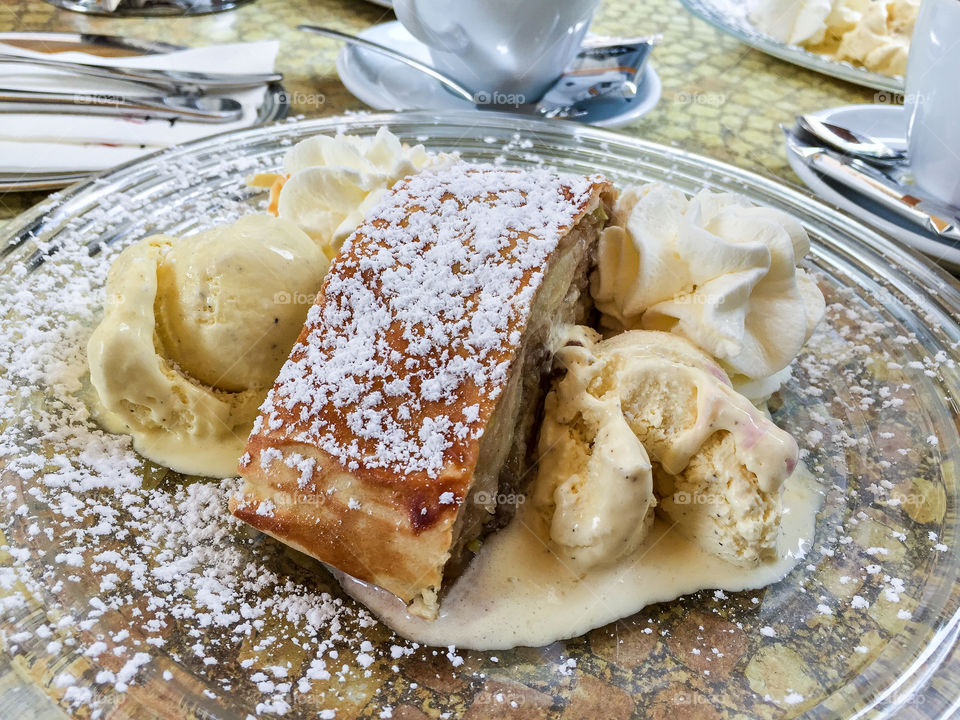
x=505, y=51
x=932, y=100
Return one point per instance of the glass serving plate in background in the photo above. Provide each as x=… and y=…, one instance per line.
x=717, y=13
x=151, y=8
x=799, y=648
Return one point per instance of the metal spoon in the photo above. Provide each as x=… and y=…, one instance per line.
x=849, y=142
x=538, y=109
x=542, y=108
x=874, y=184
x=448, y=82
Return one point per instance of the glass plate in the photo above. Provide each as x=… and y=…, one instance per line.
x=127, y=588
x=151, y=8
x=718, y=14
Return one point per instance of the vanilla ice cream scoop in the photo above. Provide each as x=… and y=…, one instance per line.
x=715, y=269
x=335, y=180
x=194, y=332
x=232, y=300
x=645, y=405
x=594, y=477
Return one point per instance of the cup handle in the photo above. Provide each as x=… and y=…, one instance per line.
x=451, y=38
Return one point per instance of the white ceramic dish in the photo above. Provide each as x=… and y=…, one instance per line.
x=886, y=123
x=386, y=84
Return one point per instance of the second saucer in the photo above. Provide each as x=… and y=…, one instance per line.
x=886, y=123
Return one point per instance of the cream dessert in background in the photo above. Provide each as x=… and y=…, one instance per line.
x=879, y=39
x=791, y=21
x=656, y=480
x=714, y=269
x=194, y=333
x=331, y=182
x=872, y=33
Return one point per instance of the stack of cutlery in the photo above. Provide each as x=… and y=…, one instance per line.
x=871, y=169
x=64, y=114
x=186, y=98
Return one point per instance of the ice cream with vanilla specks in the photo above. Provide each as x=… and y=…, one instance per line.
x=647, y=421
x=194, y=332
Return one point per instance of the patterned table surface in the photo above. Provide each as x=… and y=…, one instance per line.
x=720, y=98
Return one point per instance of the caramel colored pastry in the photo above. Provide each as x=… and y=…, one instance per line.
x=411, y=396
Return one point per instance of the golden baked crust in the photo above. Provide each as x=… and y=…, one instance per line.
x=365, y=450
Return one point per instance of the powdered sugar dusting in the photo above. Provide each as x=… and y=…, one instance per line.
x=424, y=307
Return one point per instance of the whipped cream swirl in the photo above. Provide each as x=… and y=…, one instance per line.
x=335, y=180
x=714, y=269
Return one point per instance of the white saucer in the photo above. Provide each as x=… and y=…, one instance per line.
x=887, y=123
x=385, y=84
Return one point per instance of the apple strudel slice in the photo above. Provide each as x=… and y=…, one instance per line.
x=410, y=402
